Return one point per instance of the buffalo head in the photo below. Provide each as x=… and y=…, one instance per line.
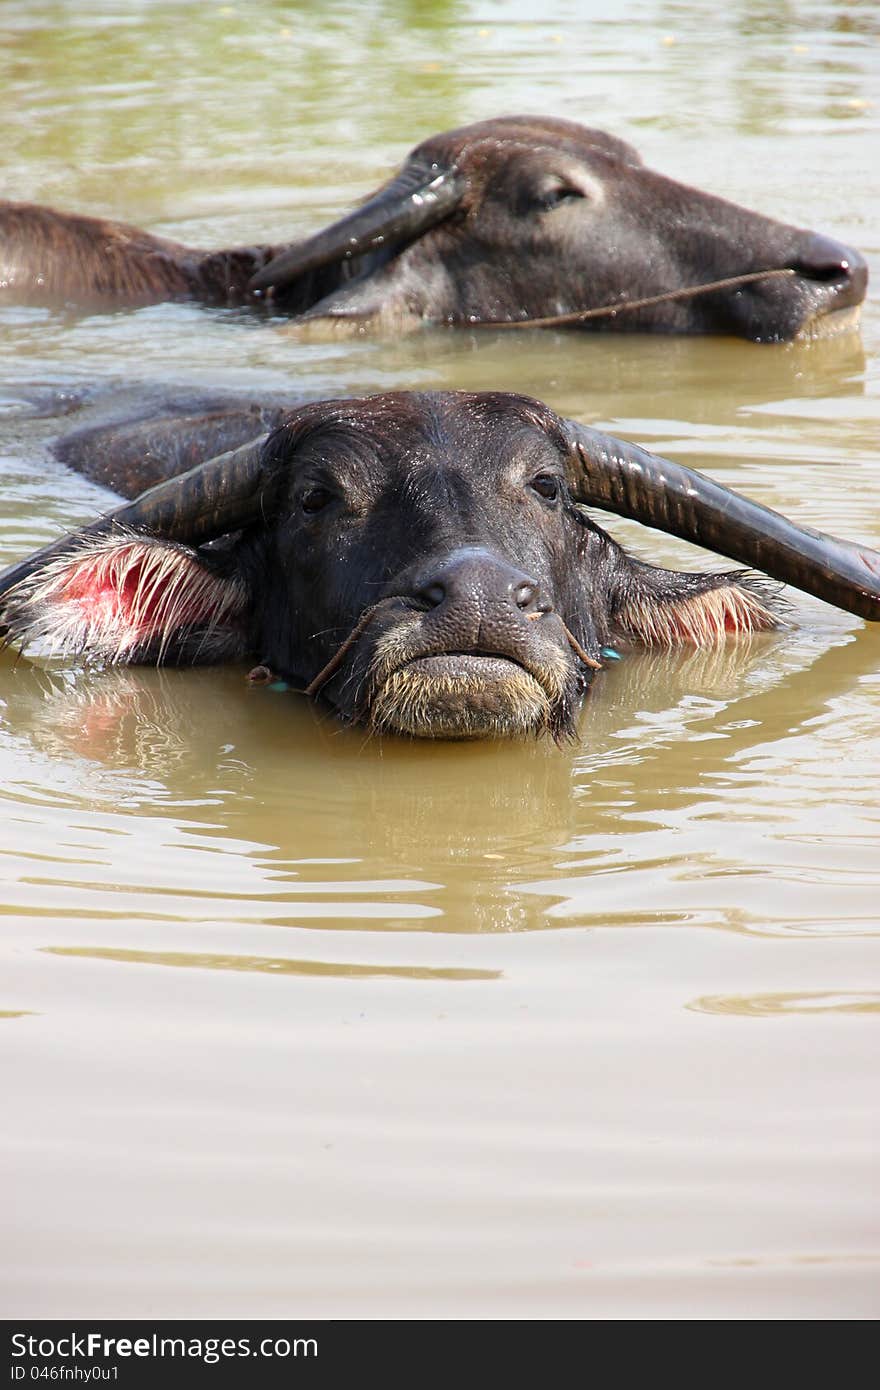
x=527, y=217
x=510, y=220
x=423, y=561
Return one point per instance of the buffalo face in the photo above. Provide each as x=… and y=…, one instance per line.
x=439, y=531
x=422, y=562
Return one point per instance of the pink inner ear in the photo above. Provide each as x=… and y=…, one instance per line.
x=126, y=600
x=127, y=594
x=703, y=619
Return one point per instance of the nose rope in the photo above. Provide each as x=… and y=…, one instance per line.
x=338, y=657
x=579, y=651
x=627, y=306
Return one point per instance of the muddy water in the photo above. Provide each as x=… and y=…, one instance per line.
x=292, y=1022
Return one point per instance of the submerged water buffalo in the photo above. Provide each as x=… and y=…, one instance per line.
x=512, y=220
x=422, y=561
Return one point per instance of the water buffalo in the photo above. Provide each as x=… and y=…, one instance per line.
x=422, y=561
x=518, y=219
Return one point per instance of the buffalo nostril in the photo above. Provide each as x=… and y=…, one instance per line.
x=825, y=260
x=473, y=578
x=524, y=594
x=433, y=594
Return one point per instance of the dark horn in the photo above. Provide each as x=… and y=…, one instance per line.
x=418, y=198
x=622, y=478
x=218, y=496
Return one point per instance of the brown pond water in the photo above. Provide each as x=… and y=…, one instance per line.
x=296, y=1023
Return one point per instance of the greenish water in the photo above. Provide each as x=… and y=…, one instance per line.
x=585, y=1032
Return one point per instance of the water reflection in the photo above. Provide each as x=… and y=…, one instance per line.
x=201, y=728
x=271, y=965
x=600, y=378
x=457, y=837
x=775, y=1005
x=793, y=1261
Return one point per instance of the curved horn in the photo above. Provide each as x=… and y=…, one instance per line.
x=622, y=478
x=215, y=497
x=420, y=196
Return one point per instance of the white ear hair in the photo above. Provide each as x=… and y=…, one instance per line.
x=705, y=620
x=124, y=599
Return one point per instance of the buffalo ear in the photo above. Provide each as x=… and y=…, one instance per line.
x=666, y=608
x=126, y=599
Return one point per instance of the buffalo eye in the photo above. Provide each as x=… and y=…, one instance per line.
x=546, y=485
x=553, y=194
x=315, y=499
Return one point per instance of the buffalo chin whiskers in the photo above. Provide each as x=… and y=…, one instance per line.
x=404, y=699
x=450, y=706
